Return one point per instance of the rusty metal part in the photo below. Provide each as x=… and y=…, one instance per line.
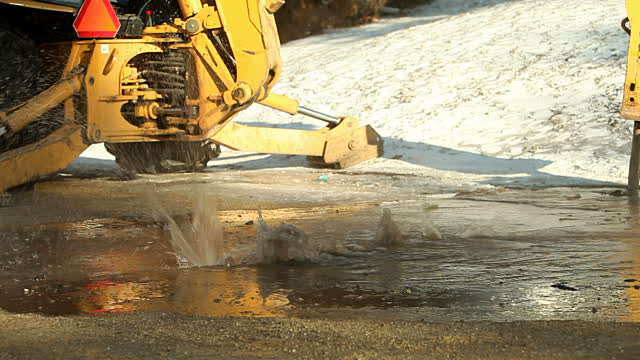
x=41, y=103
x=53, y=153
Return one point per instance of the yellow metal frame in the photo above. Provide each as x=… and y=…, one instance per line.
x=255, y=50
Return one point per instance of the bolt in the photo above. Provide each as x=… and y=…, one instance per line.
x=209, y=22
x=192, y=26
x=97, y=134
x=238, y=93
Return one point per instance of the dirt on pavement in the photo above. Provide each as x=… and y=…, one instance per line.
x=173, y=336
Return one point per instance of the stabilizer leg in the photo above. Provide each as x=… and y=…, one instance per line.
x=51, y=154
x=339, y=146
x=342, y=143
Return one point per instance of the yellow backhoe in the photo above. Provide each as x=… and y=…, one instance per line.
x=163, y=90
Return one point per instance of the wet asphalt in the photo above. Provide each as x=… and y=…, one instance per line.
x=503, y=254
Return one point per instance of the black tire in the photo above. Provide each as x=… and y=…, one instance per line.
x=163, y=157
x=22, y=76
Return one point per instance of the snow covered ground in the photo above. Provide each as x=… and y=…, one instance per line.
x=496, y=92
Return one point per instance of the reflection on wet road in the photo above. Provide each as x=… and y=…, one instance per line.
x=512, y=255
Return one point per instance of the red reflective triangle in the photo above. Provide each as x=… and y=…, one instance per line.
x=96, y=18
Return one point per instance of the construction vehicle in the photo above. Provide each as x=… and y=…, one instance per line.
x=163, y=90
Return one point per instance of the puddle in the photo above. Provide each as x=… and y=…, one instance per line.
x=512, y=256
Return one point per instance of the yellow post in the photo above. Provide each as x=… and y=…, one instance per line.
x=631, y=98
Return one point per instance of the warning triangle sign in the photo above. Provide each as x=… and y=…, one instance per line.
x=96, y=19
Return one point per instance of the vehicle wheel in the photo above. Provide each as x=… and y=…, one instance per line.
x=163, y=157
x=22, y=76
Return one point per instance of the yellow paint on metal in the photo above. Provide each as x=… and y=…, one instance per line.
x=242, y=23
x=53, y=153
x=281, y=102
x=271, y=140
x=352, y=148
x=190, y=7
x=104, y=90
x=273, y=5
x=630, y=106
x=163, y=29
x=256, y=70
x=342, y=146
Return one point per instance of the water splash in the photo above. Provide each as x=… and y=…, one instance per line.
x=282, y=243
x=197, y=238
x=388, y=232
x=431, y=231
